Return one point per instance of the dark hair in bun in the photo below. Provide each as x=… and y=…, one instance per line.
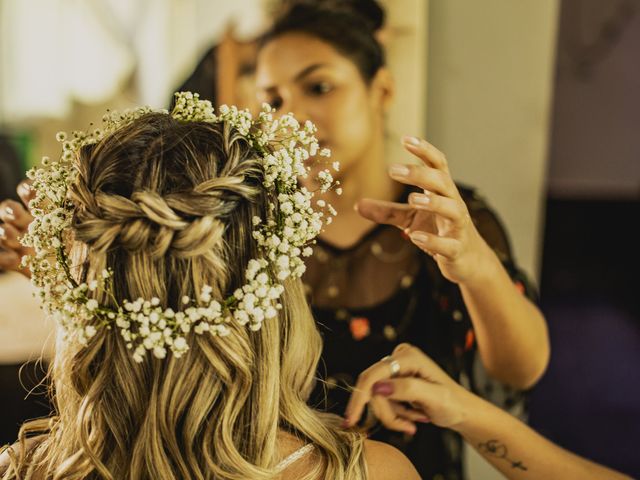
x=370, y=10
x=349, y=26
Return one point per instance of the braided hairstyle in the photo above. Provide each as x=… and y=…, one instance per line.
x=158, y=197
x=168, y=206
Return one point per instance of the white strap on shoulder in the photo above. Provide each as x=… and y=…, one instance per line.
x=294, y=457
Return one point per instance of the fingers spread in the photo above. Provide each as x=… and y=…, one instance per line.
x=426, y=152
x=388, y=213
x=424, y=177
x=449, y=248
x=452, y=209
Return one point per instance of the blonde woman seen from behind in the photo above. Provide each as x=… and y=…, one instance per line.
x=169, y=207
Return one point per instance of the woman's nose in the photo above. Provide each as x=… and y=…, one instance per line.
x=298, y=111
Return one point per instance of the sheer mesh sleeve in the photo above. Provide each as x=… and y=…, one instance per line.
x=494, y=233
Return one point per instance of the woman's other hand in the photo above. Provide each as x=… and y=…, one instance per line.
x=417, y=391
x=15, y=218
x=437, y=220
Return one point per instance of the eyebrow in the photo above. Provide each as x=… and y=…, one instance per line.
x=300, y=75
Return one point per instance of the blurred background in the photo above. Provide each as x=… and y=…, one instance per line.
x=535, y=102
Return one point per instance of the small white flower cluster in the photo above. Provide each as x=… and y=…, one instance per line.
x=190, y=108
x=157, y=328
x=284, y=237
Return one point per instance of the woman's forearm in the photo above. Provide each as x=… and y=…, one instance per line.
x=510, y=331
x=519, y=452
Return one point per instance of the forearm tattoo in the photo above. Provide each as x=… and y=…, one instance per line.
x=498, y=450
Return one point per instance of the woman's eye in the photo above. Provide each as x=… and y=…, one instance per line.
x=320, y=88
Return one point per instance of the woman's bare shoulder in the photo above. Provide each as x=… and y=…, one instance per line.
x=14, y=451
x=385, y=462
x=7, y=452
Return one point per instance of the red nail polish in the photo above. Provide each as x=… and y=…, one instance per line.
x=382, y=388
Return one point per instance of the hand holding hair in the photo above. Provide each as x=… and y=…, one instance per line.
x=417, y=390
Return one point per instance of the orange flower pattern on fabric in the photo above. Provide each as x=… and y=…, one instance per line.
x=360, y=328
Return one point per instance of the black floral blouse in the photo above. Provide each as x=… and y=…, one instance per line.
x=384, y=291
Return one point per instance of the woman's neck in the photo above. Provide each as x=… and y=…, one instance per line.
x=367, y=178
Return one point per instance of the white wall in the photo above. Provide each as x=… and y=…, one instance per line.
x=490, y=67
x=406, y=49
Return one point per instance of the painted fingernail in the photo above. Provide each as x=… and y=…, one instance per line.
x=419, y=237
x=420, y=199
x=399, y=170
x=8, y=213
x=412, y=140
x=24, y=189
x=382, y=388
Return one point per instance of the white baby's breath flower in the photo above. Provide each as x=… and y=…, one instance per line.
x=159, y=352
x=92, y=305
x=180, y=343
x=283, y=236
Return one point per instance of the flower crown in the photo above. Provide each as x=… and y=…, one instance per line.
x=283, y=238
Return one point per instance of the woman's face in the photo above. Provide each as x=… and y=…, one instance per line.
x=301, y=74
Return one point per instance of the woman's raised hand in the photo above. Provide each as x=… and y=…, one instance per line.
x=437, y=220
x=408, y=387
x=15, y=218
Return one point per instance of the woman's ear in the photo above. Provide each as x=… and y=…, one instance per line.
x=383, y=89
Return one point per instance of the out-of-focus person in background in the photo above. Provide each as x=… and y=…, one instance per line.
x=445, y=280
x=224, y=74
x=408, y=387
x=25, y=336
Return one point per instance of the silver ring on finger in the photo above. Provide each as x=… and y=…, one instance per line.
x=393, y=364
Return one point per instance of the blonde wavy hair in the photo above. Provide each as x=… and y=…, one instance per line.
x=168, y=206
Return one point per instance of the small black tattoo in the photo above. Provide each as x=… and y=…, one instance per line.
x=499, y=450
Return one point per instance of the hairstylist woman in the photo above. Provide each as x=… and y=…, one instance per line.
x=446, y=280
